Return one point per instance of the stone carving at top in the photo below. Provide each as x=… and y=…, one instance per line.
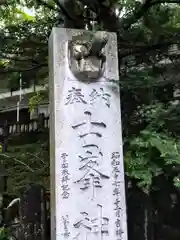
x=86, y=57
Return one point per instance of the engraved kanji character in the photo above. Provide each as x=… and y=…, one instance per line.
x=75, y=96
x=65, y=171
x=64, y=165
x=90, y=124
x=118, y=213
x=65, y=191
x=115, y=155
x=64, y=155
x=117, y=203
x=97, y=226
x=91, y=177
x=65, y=187
x=117, y=184
x=95, y=95
x=116, y=191
x=119, y=232
x=116, y=170
x=96, y=182
x=115, y=164
x=65, y=195
x=65, y=178
x=118, y=223
x=116, y=175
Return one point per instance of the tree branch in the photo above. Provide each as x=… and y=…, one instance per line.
x=16, y=160
x=109, y=18
x=164, y=1
x=16, y=58
x=41, y=2
x=35, y=156
x=71, y=19
x=10, y=70
x=141, y=48
x=63, y=10
x=125, y=24
x=3, y=2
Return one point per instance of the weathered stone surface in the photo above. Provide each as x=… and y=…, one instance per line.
x=88, y=70
x=85, y=55
x=87, y=173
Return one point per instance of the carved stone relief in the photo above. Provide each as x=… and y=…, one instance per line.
x=86, y=57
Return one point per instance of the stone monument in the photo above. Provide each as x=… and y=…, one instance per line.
x=87, y=173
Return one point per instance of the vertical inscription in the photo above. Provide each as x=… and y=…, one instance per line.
x=64, y=176
x=93, y=156
x=65, y=220
x=116, y=193
x=91, y=176
x=90, y=125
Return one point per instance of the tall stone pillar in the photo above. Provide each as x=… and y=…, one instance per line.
x=87, y=173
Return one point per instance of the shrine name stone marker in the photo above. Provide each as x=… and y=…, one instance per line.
x=87, y=173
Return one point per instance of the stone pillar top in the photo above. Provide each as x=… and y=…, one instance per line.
x=63, y=36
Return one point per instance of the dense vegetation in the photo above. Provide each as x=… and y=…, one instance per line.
x=149, y=64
